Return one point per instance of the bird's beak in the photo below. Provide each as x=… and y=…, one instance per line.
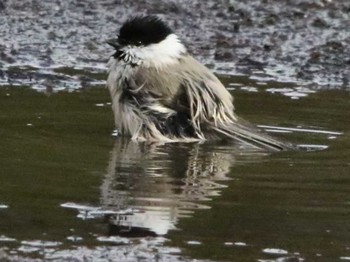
x=114, y=43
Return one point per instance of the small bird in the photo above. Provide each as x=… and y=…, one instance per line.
x=161, y=93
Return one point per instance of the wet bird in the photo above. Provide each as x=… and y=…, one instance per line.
x=161, y=93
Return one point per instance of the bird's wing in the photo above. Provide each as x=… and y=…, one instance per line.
x=187, y=91
x=197, y=104
x=211, y=109
x=187, y=85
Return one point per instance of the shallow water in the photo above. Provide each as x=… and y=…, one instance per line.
x=72, y=191
x=69, y=189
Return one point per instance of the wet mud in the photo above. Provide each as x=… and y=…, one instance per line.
x=305, y=41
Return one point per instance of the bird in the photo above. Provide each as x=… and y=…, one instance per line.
x=160, y=93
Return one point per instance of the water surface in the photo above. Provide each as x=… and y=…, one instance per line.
x=69, y=189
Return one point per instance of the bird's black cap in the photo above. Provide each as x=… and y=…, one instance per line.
x=143, y=30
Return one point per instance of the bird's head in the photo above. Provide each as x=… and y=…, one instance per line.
x=147, y=41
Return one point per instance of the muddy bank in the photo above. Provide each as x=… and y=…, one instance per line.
x=304, y=41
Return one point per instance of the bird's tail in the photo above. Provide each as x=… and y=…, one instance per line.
x=250, y=135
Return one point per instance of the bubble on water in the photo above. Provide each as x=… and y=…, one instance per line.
x=295, y=95
x=77, y=206
x=7, y=239
x=114, y=239
x=275, y=251
x=40, y=243
x=279, y=90
x=249, y=89
x=74, y=238
x=241, y=244
x=310, y=147
x=332, y=137
x=194, y=242
x=28, y=249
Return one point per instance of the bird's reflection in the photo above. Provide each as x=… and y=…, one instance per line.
x=148, y=187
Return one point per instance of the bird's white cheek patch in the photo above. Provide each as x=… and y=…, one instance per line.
x=157, y=55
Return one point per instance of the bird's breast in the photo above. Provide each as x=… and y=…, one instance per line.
x=119, y=74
